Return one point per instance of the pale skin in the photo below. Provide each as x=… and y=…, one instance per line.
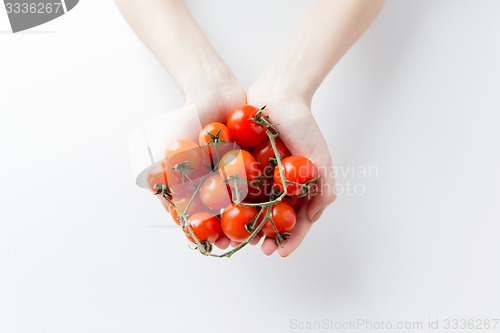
x=287, y=85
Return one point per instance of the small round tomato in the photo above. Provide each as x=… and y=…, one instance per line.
x=234, y=219
x=206, y=227
x=239, y=163
x=214, y=193
x=159, y=173
x=284, y=219
x=181, y=203
x=214, y=132
x=244, y=131
x=297, y=169
x=264, y=152
x=216, y=139
x=184, y=153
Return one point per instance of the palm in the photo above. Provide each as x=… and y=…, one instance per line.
x=300, y=132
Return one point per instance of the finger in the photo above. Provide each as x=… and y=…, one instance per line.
x=222, y=243
x=255, y=240
x=318, y=205
x=297, y=235
x=268, y=246
x=325, y=192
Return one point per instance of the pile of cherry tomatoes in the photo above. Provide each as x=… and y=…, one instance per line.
x=238, y=181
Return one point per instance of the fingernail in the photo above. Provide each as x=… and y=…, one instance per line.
x=317, y=216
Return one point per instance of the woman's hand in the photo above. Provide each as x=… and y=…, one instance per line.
x=287, y=87
x=215, y=103
x=301, y=134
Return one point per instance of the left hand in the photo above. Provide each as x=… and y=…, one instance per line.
x=301, y=134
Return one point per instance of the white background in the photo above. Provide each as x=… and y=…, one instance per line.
x=417, y=97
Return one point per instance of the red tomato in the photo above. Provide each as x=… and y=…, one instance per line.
x=234, y=219
x=297, y=169
x=181, y=203
x=284, y=219
x=159, y=173
x=214, y=134
x=239, y=162
x=264, y=152
x=244, y=131
x=214, y=193
x=206, y=227
x=184, y=152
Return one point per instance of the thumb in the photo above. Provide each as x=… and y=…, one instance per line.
x=325, y=194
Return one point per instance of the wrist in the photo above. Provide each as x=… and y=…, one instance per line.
x=278, y=92
x=215, y=88
x=208, y=81
x=283, y=86
x=217, y=92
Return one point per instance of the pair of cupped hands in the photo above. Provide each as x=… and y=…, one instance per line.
x=298, y=130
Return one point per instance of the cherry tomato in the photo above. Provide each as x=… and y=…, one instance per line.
x=214, y=193
x=214, y=134
x=239, y=163
x=206, y=227
x=234, y=219
x=297, y=169
x=181, y=203
x=284, y=219
x=264, y=152
x=244, y=131
x=184, y=152
x=159, y=173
